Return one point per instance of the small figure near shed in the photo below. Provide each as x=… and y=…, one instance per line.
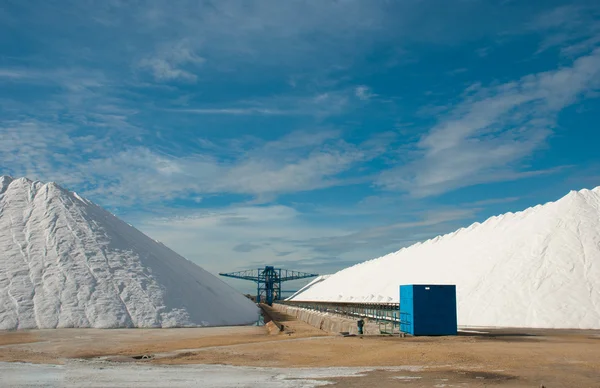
x=360, y=323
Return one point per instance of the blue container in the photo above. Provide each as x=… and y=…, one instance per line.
x=428, y=309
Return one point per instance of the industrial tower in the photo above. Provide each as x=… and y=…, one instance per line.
x=268, y=281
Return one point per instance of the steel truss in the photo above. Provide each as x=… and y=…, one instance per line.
x=268, y=281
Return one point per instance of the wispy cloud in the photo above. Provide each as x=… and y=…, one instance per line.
x=325, y=104
x=173, y=63
x=12, y=74
x=245, y=237
x=164, y=70
x=229, y=114
x=364, y=92
x=53, y=134
x=484, y=51
x=457, y=71
x=389, y=235
x=236, y=236
x=494, y=201
x=35, y=150
x=487, y=136
x=574, y=29
x=234, y=111
x=293, y=163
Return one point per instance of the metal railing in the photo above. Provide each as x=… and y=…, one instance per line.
x=387, y=315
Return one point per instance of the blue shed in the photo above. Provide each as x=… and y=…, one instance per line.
x=428, y=309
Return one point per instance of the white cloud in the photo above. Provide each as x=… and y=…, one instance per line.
x=241, y=237
x=118, y=175
x=87, y=137
x=574, y=29
x=75, y=81
x=391, y=236
x=234, y=111
x=487, y=136
x=320, y=105
x=171, y=63
x=164, y=70
x=216, y=238
x=268, y=169
x=52, y=152
x=12, y=74
x=483, y=52
x=314, y=171
x=364, y=93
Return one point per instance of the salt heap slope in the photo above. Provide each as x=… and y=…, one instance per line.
x=317, y=280
x=66, y=262
x=539, y=268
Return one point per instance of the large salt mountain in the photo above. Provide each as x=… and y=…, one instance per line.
x=66, y=262
x=537, y=268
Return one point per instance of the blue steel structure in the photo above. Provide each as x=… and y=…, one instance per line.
x=428, y=309
x=268, y=281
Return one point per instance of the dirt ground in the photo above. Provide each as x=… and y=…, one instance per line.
x=503, y=358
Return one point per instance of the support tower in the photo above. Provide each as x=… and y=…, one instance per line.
x=268, y=281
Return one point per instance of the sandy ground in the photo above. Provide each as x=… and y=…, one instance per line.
x=503, y=358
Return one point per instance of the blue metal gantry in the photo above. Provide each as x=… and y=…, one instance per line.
x=268, y=281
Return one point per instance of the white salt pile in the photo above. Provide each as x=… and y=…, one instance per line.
x=66, y=262
x=538, y=268
x=317, y=280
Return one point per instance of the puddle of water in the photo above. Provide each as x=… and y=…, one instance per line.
x=143, y=357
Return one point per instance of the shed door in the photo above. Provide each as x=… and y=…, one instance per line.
x=406, y=310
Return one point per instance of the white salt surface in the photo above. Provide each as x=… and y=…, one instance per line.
x=538, y=268
x=317, y=280
x=89, y=374
x=66, y=262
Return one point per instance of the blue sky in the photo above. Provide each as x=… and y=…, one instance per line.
x=307, y=134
